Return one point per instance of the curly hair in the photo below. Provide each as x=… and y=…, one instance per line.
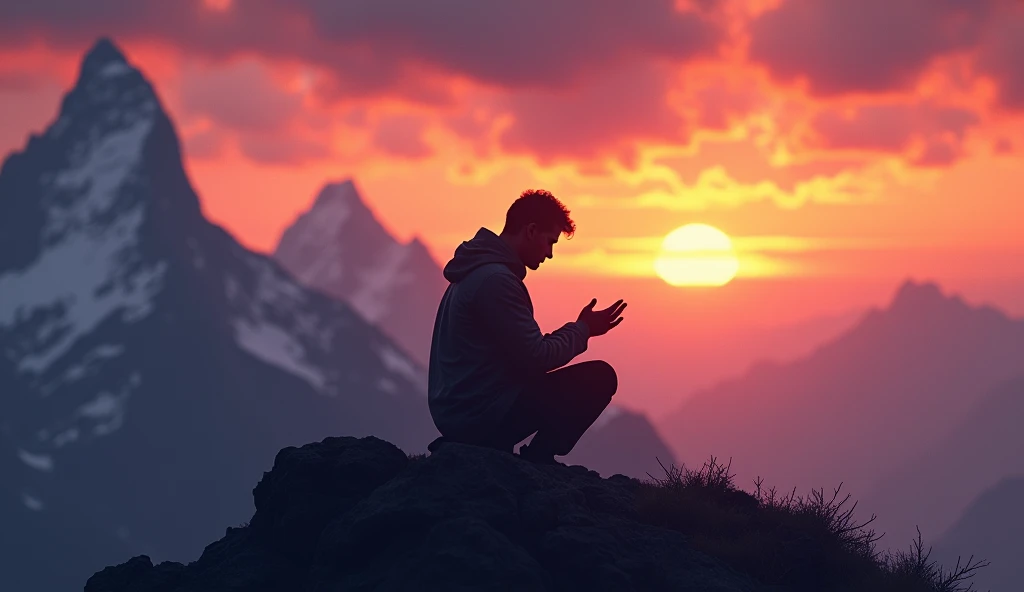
x=541, y=207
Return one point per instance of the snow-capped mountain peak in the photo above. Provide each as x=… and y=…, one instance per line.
x=87, y=266
x=341, y=248
x=145, y=354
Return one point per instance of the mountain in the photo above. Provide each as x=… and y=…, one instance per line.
x=622, y=442
x=148, y=360
x=990, y=529
x=340, y=248
x=860, y=405
x=937, y=486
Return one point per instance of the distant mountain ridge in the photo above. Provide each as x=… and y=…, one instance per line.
x=859, y=406
x=933, y=489
x=990, y=529
x=340, y=248
x=146, y=358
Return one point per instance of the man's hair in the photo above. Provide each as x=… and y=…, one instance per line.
x=540, y=207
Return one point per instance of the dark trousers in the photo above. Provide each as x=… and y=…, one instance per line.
x=559, y=407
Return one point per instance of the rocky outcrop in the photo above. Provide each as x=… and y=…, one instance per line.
x=358, y=514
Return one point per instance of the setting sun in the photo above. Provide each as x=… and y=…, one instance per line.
x=696, y=255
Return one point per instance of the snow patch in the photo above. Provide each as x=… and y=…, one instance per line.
x=39, y=462
x=610, y=413
x=114, y=69
x=108, y=410
x=274, y=289
x=379, y=281
x=399, y=364
x=275, y=346
x=104, y=405
x=32, y=503
x=81, y=278
x=77, y=371
x=66, y=437
x=100, y=172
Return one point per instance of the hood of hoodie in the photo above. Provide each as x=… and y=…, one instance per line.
x=483, y=249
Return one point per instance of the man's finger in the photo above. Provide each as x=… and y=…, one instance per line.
x=617, y=310
x=615, y=323
x=613, y=306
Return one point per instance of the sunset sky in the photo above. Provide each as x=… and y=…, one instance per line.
x=843, y=145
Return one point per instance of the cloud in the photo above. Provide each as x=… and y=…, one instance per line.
x=896, y=128
x=607, y=118
x=23, y=80
x=282, y=149
x=402, y=136
x=242, y=96
x=1001, y=58
x=372, y=45
x=841, y=46
x=204, y=145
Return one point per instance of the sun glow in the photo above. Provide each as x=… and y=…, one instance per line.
x=696, y=255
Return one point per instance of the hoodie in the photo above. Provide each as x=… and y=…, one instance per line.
x=486, y=345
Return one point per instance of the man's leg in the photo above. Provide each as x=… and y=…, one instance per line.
x=563, y=404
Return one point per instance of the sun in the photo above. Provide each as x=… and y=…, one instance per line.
x=696, y=255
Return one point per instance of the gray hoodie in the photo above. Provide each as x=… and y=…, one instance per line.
x=486, y=344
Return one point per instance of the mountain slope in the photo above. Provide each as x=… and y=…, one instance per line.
x=145, y=356
x=340, y=248
x=936, y=487
x=990, y=529
x=859, y=406
x=622, y=442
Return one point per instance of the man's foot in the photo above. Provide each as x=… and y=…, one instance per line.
x=540, y=458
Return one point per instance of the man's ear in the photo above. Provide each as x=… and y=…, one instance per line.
x=531, y=230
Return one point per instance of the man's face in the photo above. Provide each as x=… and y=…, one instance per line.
x=539, y=244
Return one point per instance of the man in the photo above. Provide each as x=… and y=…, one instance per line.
x=494, y=378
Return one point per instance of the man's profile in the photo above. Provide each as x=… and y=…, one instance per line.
x=494, y=378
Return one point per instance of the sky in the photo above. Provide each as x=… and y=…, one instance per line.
x=844, y=146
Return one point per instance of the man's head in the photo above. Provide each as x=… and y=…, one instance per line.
x=532, y=226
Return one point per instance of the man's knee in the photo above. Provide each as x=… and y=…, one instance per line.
x=605, y=377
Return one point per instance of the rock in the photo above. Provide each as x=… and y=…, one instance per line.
x=357, y=514
x=137, y=575
x=309, y=485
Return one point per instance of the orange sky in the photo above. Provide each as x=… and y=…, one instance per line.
x=839, y=163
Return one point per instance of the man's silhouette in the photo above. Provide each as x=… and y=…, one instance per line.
x=494, y=378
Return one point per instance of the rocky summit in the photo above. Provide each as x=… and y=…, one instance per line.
x=358, y=514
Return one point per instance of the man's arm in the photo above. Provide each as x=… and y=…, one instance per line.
x=503, y=310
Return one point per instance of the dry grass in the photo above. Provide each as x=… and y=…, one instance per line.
x=795, y=542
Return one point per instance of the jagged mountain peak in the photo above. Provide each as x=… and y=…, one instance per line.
x=102, y=54
x=340, y=247
x=339, y=192
x=109, y=91
x=913, y=293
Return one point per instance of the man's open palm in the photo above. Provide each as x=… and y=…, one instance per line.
x=601, y=321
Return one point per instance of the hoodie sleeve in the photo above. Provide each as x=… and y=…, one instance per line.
x=504, y=310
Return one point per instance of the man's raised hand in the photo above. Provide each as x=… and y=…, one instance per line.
x=601, y=321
